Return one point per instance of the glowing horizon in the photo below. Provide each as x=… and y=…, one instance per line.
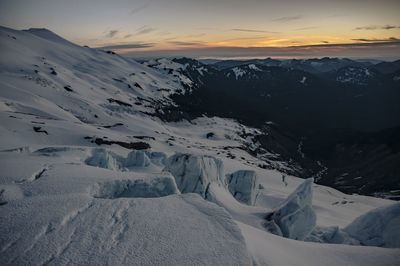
x=143, y=27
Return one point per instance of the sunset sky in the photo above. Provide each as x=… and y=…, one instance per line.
x=219, y=28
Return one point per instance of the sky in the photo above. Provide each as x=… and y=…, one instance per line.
x=219, y=28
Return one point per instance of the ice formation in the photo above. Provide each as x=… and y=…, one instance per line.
x=243, y=186
x=137, y=158
x=194, y=173
x=138, y=188
x=379, y=227
x=295, y=218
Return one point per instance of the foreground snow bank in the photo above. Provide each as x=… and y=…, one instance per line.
x=295, y=218
x=379, y=227
x=194, y=173
x=269, y=249
x=74, y=229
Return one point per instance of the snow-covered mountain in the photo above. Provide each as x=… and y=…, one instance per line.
x=339, y=126
x=91, y=174
x=361, y=76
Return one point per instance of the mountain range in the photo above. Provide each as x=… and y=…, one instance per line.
x=328, y=108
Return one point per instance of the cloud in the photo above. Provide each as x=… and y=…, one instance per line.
x=286, y=19
x=245, y=38
x=255, y=31
x=127, y=46
x=111, y=33
x=127, y=36
x=377, y=27
x=360, y=50
x=361, y=43
x=195, y=35
x=307, y=28
x=140, y=7
x=183, y=43
x=391, y=39
x=144, y=30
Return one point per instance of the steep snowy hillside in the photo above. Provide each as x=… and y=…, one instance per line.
x=91, y=176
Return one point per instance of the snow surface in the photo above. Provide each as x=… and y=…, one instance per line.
x=66, y=200
x=254, y=67
x=238, y=72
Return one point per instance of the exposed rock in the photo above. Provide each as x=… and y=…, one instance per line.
x=40, y=130
x=68, y=88
x=210, y=135
x=111, y=100
x=128, y=145
x=137, y=85
x=115, y=125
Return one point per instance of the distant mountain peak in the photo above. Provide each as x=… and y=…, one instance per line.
x=47, y=35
